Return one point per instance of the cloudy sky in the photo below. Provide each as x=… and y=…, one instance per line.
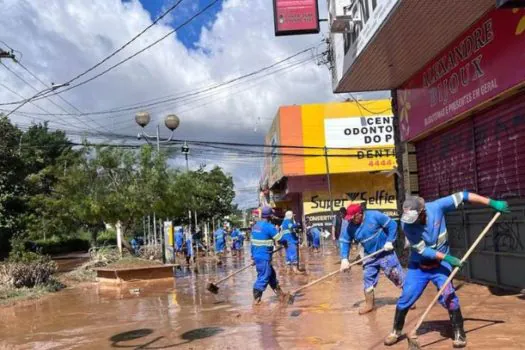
x=59, y=39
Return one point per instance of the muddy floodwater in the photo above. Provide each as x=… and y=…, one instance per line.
x=184, y=315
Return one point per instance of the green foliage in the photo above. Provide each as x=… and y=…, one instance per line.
x=58, y=245
x=50, y=190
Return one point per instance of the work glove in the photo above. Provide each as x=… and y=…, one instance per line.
x=501, y=206
x=388, y=246
x=345, y=265
x=452, y=260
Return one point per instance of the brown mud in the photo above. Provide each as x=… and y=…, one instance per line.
x=184, y=315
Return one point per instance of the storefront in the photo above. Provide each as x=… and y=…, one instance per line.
x=353, y=141
x=460, y=117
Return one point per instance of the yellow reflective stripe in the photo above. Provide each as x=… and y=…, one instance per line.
x=262, y=242
x=278, y=236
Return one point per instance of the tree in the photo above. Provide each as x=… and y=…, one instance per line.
x=12, y=187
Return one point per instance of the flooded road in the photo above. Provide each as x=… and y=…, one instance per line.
x=184, y=315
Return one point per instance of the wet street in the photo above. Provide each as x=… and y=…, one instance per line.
x=184, y=315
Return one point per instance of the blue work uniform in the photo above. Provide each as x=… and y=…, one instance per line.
x=289, y=241
x=316, y=237
x=374, y=231
x=189, y=245
x=241, y=239
x=263, y=236
x=220, y=240
x=179, y=240
x=425, y=241
x=236, y=243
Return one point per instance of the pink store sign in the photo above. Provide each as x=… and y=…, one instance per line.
x=485, y=61
x=293, y=17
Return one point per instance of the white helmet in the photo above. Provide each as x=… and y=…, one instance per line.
x=288, y=214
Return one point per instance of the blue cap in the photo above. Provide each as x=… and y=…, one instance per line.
x=266, y=212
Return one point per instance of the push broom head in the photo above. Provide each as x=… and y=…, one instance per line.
x=213, y=288
x=286, y=298
x=413, y=343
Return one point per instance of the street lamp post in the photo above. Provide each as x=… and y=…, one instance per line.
x=171, y=121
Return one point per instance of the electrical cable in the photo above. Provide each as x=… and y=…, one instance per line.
x=140, y=51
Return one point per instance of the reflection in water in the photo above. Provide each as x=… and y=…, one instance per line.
x=183, y=314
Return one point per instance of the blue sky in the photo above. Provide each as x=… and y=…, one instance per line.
x=189, y=35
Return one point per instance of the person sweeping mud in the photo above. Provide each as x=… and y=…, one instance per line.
x=236, y=241
x=375, y=231
x=425, y=228
x=289, y=240
x=220, y=243
x=315, y=235
x=264, y=236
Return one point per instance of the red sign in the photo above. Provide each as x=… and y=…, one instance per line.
x=485, y=61
x=295, y=17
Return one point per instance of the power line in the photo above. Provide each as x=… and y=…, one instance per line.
x=31, y=100
x=140, y=51
x=60, y=97
x=64, y=122
x=185, y=96
x=125, y=45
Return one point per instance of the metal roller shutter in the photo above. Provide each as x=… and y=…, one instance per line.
x=484, y=153
x=446, y=162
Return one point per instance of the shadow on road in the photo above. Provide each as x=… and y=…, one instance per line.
x=187, y=337
x=445, y=330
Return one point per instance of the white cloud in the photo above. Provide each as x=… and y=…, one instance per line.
x=60, y=38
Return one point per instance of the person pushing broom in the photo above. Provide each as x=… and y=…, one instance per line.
x=425, y=228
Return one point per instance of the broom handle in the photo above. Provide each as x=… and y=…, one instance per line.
x=242, y=269
x=454, y=272
x=335, y=272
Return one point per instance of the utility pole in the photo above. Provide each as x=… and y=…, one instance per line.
x=328, y=181
x=329, y=191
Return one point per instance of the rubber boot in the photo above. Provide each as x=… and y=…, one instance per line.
x=399, y=322
x=297, y=271
x=460, y=338
x=257, y=295
x=278, y=291
x=369, y=303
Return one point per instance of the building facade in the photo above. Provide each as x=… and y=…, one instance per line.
x=347, y=145
x=456, y=72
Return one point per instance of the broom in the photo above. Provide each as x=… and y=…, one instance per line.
x=413, y=343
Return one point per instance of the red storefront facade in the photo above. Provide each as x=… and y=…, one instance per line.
x=464, y=113
x=460, y=117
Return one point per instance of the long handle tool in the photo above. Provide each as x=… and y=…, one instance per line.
x=213, y=286
x=290, y=297
x=413, y=343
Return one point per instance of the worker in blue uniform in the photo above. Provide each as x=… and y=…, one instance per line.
x=179, y=240
x=289, y=241
x=375, y=231
x=315, y=233
x=189, y=253
x=430, y=260
x=264, y=236
x=220, y=243
x=242, y=237
x=236, y=243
